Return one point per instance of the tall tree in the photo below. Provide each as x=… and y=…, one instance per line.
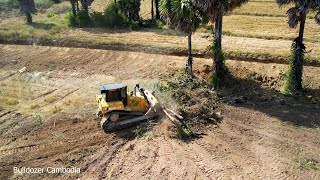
x=28, y=8
x=182, y=15
x=298, y=14
x=157, y=9
x=214, y=10
x=152, y=9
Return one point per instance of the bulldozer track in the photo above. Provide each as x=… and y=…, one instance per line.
x=55, y=143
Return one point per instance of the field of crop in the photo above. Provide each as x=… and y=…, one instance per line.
x=260, y=25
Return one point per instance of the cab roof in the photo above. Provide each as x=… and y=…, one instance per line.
x=106, y=87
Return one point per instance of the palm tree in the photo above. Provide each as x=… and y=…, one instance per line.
x=27, y=7
x=182, y=15
x=214, y=10
x=298, y=14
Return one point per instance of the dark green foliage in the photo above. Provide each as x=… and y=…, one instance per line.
x=130, y=8
x=113, y=16
x=293, y=79
x=218, y=77
x=301, y=7
x=29, y=18
x=80, y=20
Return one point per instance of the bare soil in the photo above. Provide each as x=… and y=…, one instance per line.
x=263, y=135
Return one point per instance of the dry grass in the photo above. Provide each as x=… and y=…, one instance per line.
x=13, y=91
x=50, y=99
x=264, y=8
x=268, y=28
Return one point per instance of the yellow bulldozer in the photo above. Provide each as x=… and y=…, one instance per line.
x=119, y=109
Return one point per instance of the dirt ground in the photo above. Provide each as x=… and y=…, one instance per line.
x=47, y=119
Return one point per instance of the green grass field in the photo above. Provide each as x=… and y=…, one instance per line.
x=251, y=25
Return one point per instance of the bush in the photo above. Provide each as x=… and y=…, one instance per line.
x=113, y=17
x=72, y=20
x=98, y=19
x=80, y=20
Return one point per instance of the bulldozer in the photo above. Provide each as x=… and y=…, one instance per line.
x=120, y=109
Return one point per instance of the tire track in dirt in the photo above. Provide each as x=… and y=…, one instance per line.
x=268, y=146
x=52, y=144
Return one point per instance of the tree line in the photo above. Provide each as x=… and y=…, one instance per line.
x=187, y=15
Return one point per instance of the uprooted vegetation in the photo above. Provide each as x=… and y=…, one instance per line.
x=196, y=101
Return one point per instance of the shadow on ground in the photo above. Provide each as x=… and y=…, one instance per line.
x=300, y=110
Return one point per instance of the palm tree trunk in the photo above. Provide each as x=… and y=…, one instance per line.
x=218, y=33
x=157, y=9
x=73, y=5
x=77, y=3
x=297, y=63
x=86, y=12
x=29, y=18
x=189, y=64
x=218, y=55
x=152, y=10
x=302, y=24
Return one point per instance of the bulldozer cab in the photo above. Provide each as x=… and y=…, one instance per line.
x=114, y=92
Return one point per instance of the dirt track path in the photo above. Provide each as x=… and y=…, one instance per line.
x=53, y=124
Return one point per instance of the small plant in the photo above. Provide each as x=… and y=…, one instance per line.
x=34, y=106
x=185, y=132
x=307, y=163
x=12, y=101
x=142, y=129
x=50, y=67
x=221, y=70
x=50, y=15
x=56, y=109
x=50, y=99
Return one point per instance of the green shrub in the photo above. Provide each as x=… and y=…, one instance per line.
x=113, y=17
x=293, y=77
x=218, y=77
x=80, y=20
x=72, y=20
x=98, y=19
